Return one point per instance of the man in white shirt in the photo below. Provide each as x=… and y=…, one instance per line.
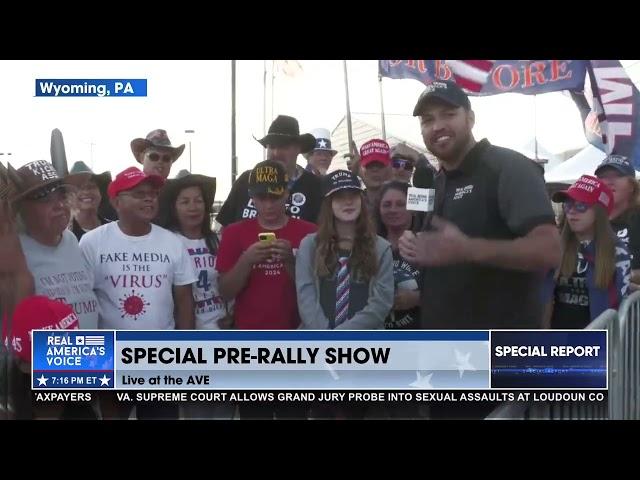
x=139, y=270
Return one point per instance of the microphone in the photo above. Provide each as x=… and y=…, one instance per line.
x=423, y=194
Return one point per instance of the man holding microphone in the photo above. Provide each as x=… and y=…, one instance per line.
x=492, y=235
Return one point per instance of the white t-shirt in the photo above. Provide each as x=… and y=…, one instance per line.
x=61, y=273
x=206, y=295
x=134, y=276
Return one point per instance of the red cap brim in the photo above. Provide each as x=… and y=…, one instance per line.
x=118, y=186
x=385, y=160
x=575, y=194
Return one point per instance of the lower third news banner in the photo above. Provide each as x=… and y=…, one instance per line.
x=455, y=363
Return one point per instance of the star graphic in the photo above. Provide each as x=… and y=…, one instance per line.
x=104, y=380
x=322, y=144
x=42, y=380
x=422, y=381
x=462, y=362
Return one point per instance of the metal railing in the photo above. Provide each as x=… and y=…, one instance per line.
x=626, y=386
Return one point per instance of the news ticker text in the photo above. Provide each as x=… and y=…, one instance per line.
x=328, y=397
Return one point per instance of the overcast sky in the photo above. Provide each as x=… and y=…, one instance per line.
x=196, y=95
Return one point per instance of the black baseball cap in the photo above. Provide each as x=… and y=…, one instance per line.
x=340, y=180
x=444, y=90
x=268, y=177
x=619, y=163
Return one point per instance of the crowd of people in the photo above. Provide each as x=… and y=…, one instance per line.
x=338, y=249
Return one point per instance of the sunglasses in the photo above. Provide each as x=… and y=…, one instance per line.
x=154, y=157
x=579, y=207
x=49, y=194
x=402, y=163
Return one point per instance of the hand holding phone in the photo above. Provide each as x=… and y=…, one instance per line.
x=266, y=236
x=261, y=250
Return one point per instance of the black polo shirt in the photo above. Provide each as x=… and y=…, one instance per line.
x=305, y=197
x=496, y=193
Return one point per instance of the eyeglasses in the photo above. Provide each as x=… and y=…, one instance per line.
x=141, y=194
x=402, y=163
x=154, y=157
x=579, y=207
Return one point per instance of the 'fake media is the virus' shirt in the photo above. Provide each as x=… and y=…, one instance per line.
x=134, y=276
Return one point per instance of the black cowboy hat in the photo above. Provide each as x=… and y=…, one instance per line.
x=183, y=180
x=284, y=130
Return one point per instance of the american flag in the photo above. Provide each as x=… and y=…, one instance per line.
x=471, y=74
x=94, y=340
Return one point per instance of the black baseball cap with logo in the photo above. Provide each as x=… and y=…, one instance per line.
x=446, y=91
x=619, y=163
x=340, y=180
x=268, y=177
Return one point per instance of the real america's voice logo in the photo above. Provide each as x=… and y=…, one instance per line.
x=73, y=360
x=69, y=351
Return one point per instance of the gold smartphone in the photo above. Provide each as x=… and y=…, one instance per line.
x=266, y=236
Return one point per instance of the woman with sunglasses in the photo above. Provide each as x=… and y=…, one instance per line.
x=403, y=162
x=594, y=273
x=410, y=167
x=402, y=169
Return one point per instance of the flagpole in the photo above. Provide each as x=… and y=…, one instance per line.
x=384, y=130
x=535, y=124
x=273, y=83
x=234, y=158
x=264, y=104
x=346, y=89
